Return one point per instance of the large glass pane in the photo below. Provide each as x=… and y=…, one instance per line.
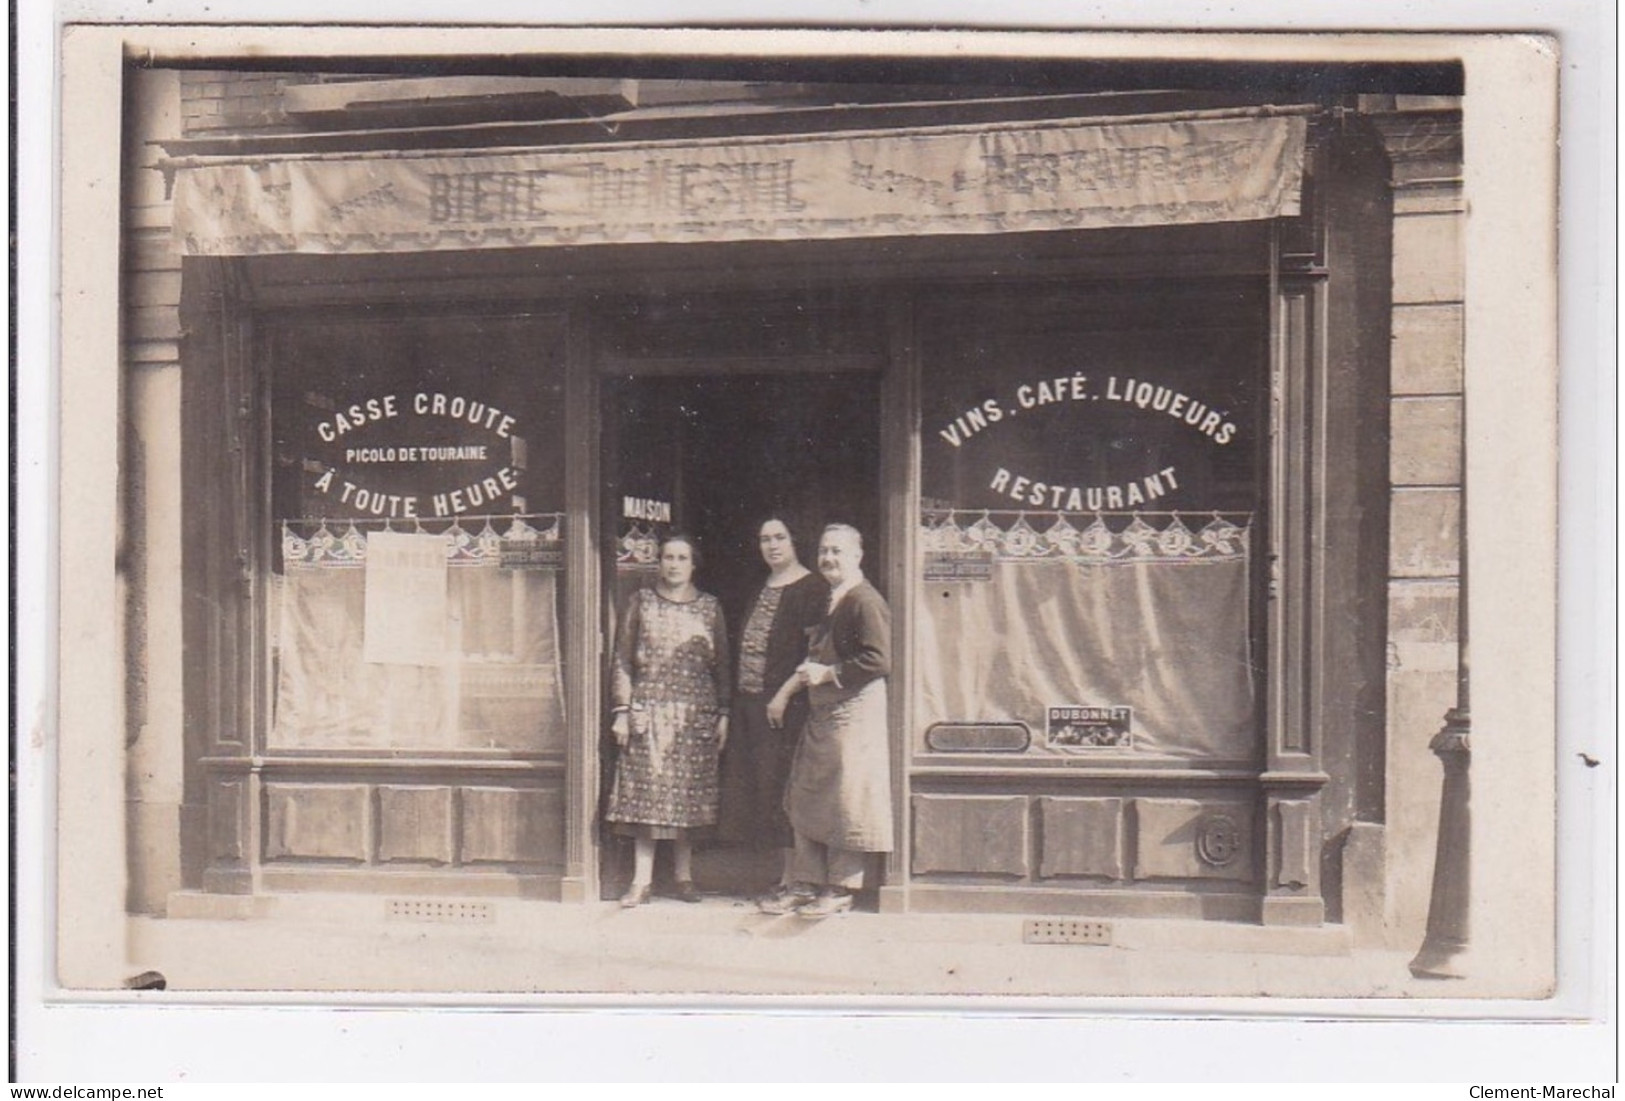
x=1091, y=474
x=418, y=495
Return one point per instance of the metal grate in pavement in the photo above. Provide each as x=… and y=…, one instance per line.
x=1065, y=931
x=437, y=909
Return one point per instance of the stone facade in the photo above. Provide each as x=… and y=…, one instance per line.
x=1388, y=864
x=151, y=521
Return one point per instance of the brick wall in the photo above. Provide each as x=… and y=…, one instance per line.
x=211, y=101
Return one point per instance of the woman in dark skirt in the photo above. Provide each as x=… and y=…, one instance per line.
x=671, y=718
x=768, y=708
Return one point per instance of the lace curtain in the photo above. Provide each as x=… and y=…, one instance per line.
x=1082, y=613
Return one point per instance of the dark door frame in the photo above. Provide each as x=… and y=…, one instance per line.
x=603, y=366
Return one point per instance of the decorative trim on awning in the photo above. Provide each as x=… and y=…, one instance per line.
x=1033, y=176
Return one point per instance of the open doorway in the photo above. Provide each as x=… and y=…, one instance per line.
x=713, y=456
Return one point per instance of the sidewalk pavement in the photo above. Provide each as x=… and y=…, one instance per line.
x=348, y=943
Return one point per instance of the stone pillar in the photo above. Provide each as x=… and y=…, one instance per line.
x=1426, y=632
x=150, y=521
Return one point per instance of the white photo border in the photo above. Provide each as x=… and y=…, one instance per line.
x=136, y=1040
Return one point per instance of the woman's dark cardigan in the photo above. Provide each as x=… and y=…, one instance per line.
x=802, y=605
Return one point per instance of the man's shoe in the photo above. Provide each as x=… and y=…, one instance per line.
x=827, y=904
x=786, y=899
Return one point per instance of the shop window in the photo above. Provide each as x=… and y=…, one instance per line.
x=417, y=503
x=1091, y=474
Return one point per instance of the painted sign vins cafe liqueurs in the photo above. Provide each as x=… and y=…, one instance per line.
x=1054, y=491
x=415, y=454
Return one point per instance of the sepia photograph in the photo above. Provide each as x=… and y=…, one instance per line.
x=753, y=516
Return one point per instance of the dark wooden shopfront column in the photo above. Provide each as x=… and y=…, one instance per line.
x=900, y=487
x=1293, y=777
x=223, y=633
x=1328, y=532
x=582, y=630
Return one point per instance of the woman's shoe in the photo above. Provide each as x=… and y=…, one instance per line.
x=636, y=895
x=685, y=891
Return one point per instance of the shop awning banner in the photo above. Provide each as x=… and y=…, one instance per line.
x=954, y=180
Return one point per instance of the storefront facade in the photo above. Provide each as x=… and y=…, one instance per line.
x=1128, y=402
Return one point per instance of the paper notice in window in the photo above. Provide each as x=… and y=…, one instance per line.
x=405, y=599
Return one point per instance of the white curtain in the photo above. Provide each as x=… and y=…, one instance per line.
x=497, y=684
x=1152, y=619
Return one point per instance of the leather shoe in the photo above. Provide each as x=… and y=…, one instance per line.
x=636, y=895
x=827, y=904
x=684, y=891
x=785, y=900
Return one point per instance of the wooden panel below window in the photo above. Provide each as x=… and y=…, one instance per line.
x=1080, y=837
x=971, y=834
x=316, y=821
x=415, y=824
x=512, y=825
x=1193, y=839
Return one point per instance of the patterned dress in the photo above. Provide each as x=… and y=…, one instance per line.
x=671, y=670
x=753, y=642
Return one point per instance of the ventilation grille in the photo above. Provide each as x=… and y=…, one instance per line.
x=434, y=909
x=1065, y=931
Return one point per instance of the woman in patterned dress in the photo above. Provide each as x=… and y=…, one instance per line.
x=671, y=694
x=768, y=707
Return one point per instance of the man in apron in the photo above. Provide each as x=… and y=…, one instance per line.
x=839, y=795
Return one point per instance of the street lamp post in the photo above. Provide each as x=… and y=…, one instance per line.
x=1443, y=949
